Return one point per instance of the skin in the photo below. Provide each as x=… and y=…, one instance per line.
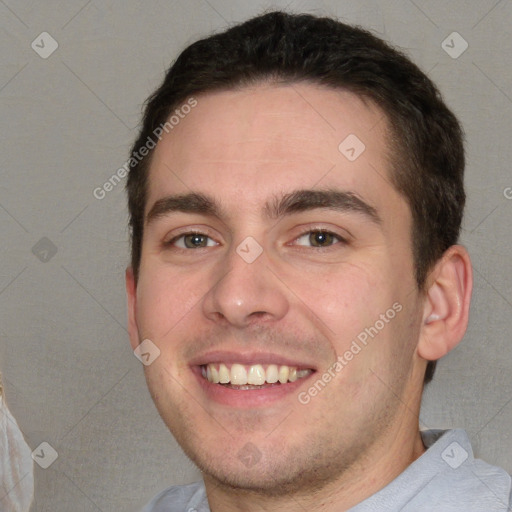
x=361, y=430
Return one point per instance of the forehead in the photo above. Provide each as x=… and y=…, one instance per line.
x=243, y=144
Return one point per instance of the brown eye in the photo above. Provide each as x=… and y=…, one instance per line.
x=320, y=238
x=195, y=240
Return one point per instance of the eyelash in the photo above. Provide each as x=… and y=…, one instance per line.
x=171, y=242
x=341, y=240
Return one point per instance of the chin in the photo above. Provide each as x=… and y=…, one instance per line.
x=277, y=473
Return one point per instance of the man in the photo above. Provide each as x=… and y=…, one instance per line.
x=296, y=274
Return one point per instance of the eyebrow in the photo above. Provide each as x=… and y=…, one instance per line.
x=278, y=207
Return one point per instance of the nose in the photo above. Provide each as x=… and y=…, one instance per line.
x=247, y=293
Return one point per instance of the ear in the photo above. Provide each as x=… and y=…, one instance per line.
x=131, y=293
x=446, y=307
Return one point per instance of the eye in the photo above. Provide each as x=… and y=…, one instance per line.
x=192, y=240
x=320, y=238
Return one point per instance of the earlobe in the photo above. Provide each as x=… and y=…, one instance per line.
x=131, y=294
x=446, y=308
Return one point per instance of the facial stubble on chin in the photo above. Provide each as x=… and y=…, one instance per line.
x=306, y=469
x=323, y=455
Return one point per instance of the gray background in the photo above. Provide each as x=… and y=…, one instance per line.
x=68, y=122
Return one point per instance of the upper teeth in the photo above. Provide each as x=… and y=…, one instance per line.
x=255, y=374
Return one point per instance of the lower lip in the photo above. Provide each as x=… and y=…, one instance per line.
x=247, y=398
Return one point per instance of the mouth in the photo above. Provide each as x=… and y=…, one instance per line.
x=240, y=382
x=257, y=376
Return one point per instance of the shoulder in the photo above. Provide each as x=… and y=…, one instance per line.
x=180, y=498
x=446, y=478
x=463, y=481
x=489, y=484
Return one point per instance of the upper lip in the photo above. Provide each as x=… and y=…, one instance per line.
x=248, y=358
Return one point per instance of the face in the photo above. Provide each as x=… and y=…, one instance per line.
x=287, y=276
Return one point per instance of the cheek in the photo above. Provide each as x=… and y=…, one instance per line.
x=364, y=309
x=346, y=299
x=160, y=302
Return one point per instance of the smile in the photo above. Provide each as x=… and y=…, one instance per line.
x=244, y=377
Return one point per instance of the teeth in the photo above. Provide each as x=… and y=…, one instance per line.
x=238, y=375
x=223, y=374
x=284, y=371
x=272, y=374
x=302, y=373
x=255, y=375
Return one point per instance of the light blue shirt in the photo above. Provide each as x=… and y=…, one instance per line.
x=446, y=478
